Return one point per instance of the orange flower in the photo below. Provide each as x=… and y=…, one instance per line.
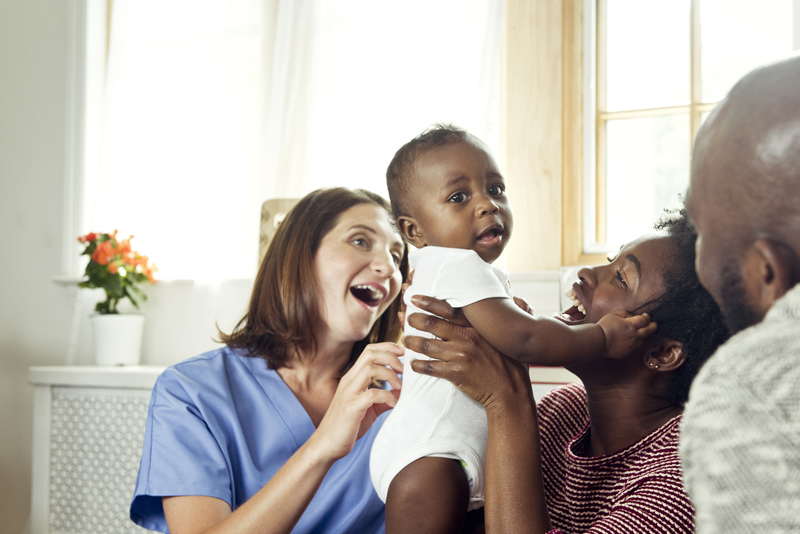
x=104, y=253
x=91, y=236
x=125, y=246
x=112, y=268
x=98, y=257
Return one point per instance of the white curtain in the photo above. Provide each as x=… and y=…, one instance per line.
x=213, y=106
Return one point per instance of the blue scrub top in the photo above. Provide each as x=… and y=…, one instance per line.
x=221, y=425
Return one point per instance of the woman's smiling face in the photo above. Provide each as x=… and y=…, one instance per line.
x=358, y=271
x=633, y=278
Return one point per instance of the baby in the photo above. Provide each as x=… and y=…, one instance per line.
x=449, y=200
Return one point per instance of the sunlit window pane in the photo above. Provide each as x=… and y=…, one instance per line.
x=647, y=169
x=703, y=116
x=737, y=36
x=647, y=53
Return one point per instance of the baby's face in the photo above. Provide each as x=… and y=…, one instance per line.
x=459, y=200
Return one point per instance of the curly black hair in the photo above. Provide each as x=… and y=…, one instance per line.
x=401, y=167
x=685, y=311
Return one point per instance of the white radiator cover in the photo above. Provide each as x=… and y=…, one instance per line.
x=88, y=434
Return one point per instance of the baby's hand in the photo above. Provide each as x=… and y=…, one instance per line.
x=624, y=332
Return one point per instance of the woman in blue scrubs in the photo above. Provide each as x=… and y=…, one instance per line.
x=272, y=432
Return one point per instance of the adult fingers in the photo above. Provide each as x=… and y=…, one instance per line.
x=441, y=309
x=433, y=348
x=377, y=396
x=361, y=378
x=438, y=369
x=382, y=354
x=378, y=362
x=441, y=328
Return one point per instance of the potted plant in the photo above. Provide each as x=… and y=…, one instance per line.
x=119, y=271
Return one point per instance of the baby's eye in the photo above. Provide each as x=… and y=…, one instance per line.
x=457, y=198
x=496, y=190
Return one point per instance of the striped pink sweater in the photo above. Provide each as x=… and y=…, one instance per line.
x=636, y=490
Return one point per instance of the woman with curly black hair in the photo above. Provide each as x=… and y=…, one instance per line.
x=601, y=456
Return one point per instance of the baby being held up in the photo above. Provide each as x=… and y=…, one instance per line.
x=449, y=201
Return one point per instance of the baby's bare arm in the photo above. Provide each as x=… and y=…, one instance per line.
x=534, y=340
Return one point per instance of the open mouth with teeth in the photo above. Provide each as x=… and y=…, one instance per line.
x=368, y=294
x=576, y=312
x=490, y=237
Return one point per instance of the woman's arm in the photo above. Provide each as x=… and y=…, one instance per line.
x=514, y=492
x=278, y=506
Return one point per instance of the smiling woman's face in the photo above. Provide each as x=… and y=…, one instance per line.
x=633, y=278
x=358, y=269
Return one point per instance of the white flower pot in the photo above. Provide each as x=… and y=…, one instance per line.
x=118, y=338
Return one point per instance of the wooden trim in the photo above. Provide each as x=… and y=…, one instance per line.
x=572, y=131
x=531, y=131
x=600, y=126
x=695, y=74
x=590, y=259
x=646, y=112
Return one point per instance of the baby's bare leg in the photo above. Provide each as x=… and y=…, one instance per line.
x=429, y=495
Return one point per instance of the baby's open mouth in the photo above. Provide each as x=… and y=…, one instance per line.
x=577, y=311
x=491, y=236
x=369, y=295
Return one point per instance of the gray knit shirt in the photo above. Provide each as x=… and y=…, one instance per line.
x=740, y=437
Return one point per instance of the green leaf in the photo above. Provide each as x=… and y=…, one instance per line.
x=113, y=286
x=133, y=300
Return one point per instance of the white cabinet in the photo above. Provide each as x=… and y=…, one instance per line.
x=88, y=431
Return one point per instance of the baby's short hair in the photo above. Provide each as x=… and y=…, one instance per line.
x=401, y=169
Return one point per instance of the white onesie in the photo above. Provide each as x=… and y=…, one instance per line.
x=433, y=417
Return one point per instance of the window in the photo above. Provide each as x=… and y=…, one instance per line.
x=656, y=71
x=205, y=110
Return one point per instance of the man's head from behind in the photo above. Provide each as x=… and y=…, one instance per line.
x=744, y=194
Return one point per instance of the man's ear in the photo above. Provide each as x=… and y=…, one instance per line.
x=770, y=269
x=411, y=231
x=664, y=354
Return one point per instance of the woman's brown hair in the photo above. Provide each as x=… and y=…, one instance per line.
x=284, y=310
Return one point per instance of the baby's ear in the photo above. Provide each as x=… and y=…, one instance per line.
x=411, y=231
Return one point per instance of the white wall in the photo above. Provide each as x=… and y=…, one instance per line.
x=42, y=323
x=34, y=313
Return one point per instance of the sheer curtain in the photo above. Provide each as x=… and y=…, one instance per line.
x=213, y=106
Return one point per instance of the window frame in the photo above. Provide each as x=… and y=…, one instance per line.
x=601, y=116
x=585, y=185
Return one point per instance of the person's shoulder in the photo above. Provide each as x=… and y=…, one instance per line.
x=565, y=403
x=573, y=394
x=658, y=452
x=759, y=366
x=211, y=366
